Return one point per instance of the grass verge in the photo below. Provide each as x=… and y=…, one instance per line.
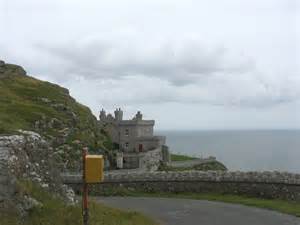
x=179, y=157
x=55, y=211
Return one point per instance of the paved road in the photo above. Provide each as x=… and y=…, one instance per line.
x=198, y=212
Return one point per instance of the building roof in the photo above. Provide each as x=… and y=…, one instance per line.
x=136, y=122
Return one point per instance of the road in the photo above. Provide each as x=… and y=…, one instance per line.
x=169, y=211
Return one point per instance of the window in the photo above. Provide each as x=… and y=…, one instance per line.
x=126, y=145
x=126, y=132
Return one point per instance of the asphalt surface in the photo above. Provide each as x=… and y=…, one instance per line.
x=169, y=211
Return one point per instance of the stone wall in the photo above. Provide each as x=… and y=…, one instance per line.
x=213, y=176
x=144, y=161
x=255, y=184
x=150, y=160
x=166, y=156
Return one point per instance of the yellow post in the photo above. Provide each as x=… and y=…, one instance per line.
x=94, y=165
x=92, y=173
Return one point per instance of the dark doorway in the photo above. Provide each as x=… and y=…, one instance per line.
x=140, y=147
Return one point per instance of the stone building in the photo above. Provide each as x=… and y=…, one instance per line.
x=134, y=139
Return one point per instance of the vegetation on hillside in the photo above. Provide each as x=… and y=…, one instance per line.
x=48, y=109
x=203, y=166
x=180, y=157
x=54, y=211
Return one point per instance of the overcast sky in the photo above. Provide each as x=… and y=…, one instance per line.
x=232, y=64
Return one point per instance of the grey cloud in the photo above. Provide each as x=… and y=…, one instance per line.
x=167, y=54
x=178, y=64
x=227, y=91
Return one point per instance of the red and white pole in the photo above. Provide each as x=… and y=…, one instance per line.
x=85, y=211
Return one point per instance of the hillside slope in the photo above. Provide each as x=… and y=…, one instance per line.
x=30, y=104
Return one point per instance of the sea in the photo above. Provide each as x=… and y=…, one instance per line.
x=243, y=150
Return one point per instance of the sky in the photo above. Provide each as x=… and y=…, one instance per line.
x=190, y=64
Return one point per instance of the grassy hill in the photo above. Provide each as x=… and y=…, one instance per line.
x=30, y=104
x=180, y=157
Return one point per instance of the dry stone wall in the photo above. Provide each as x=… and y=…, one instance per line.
x=271, y=185
x=151, y=160
x=212, y=176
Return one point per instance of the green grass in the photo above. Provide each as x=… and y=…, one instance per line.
x=216, y=166
x=55, y=211
x=179, y=157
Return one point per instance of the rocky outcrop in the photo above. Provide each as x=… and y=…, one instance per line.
x=7, y=69
x=27, y=156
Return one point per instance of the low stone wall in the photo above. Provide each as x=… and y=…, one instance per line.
x=215, y=176
x=255, y=184
x=151, y=160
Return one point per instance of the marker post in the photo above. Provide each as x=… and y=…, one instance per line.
x=85, y=210
x=92, y=173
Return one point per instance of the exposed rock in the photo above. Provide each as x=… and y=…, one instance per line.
x=73, y=116
x=70, y=195
x=55, y=123
x=45, y=100
x=30, y=203
x=60, y=107
x=2, y=68
x=27, y=156
x=6, y=69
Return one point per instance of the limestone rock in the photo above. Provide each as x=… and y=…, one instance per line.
x=45, y=100
x=70, y=195
x=55, y=123
x=11, y=69
x=28, y=156
x=29, y=203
